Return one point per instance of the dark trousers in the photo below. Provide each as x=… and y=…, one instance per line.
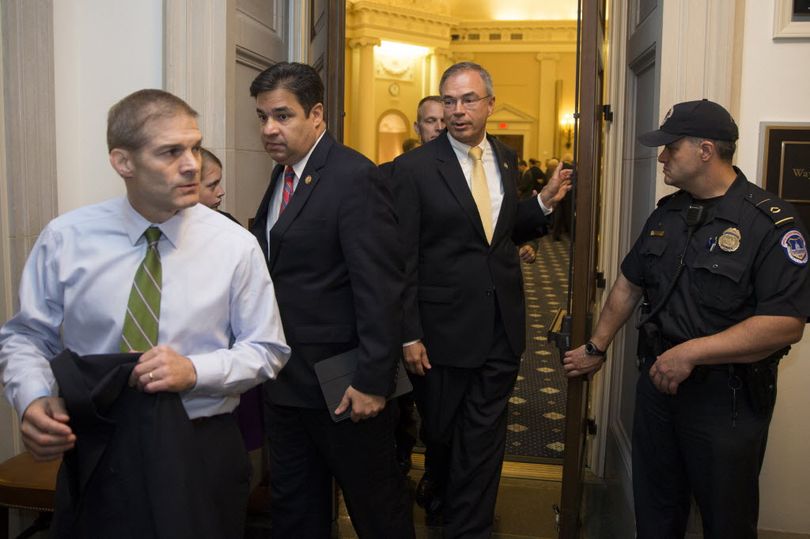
x=437, y=446
x=689, y=444
x=225, y=469
x=465, y=415
x=307, y=449
x=405, y=432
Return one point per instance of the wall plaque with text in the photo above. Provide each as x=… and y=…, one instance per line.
x=786, y=164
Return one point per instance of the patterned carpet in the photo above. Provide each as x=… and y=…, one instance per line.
x=536, y=424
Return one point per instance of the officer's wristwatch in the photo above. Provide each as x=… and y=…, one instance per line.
x=592, y=350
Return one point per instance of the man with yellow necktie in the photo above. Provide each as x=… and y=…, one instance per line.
x=464, y=320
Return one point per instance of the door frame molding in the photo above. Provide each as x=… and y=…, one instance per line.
x=335, y=68
x=8, y=423
x=299, y=30
x=604, y=403
x=202, y=75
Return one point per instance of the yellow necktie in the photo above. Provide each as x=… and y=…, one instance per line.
x=480, y=191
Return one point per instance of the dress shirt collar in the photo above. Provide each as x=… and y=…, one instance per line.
x=135, y=224
x=299, y=167
x=462, y=149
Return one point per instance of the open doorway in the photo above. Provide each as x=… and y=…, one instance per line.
x=515, y=142
x=395, y=56
x=548, y=69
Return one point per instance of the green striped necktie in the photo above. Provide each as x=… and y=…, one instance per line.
x=140, y=331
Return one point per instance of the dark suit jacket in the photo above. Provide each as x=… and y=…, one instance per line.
x=334, y=262
x=455, y=282
x=134, y=471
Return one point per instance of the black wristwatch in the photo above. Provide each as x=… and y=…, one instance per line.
x=592, y=350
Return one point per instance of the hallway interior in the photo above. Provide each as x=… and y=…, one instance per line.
x=536, y=424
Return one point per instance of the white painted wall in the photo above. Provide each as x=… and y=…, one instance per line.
x=774, y=87
x=103, y=51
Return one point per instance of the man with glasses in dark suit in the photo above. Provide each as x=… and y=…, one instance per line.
x=464, y=319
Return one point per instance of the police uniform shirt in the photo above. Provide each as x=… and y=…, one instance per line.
x=748, y=257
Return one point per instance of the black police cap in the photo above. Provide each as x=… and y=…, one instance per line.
x=704, y=119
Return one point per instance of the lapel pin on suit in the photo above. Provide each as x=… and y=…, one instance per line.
x=308, y=180
x=506, y=165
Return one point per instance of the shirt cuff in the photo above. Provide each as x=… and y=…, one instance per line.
x=543, y=207
x=410, y=343
x=24, y=398
x=209, y=374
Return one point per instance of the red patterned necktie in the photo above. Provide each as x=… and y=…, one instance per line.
x=287, y=192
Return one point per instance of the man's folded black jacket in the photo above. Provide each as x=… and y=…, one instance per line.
x=134, y=471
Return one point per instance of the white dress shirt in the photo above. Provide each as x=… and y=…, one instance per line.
x=218, y=307
x=492, y=171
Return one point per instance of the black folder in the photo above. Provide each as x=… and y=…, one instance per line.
x=335, y=375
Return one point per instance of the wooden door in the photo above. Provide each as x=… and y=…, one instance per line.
x=583, y=279
x=327, y=36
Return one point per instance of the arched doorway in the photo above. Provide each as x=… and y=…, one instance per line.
x=392, y=130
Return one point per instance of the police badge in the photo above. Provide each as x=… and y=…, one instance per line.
x=729, y=240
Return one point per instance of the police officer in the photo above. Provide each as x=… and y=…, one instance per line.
x=721, y=270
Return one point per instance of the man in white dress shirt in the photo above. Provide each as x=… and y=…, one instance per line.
x=217, y=331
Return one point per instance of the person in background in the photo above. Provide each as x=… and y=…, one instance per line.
x=428, y=125
x=211, y=191
x=429, y=118
x=527, y=188
x=537, y=175
x=562, y=217
x=523, y=166
x=409, y=144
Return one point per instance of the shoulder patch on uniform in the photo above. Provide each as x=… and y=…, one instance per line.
x=773, y=207
x=795, y=247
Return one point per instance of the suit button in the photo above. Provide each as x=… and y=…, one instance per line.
x=489, y=292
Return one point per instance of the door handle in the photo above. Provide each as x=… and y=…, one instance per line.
x=559, y=333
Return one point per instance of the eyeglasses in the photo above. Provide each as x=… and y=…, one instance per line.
x=468, y=101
